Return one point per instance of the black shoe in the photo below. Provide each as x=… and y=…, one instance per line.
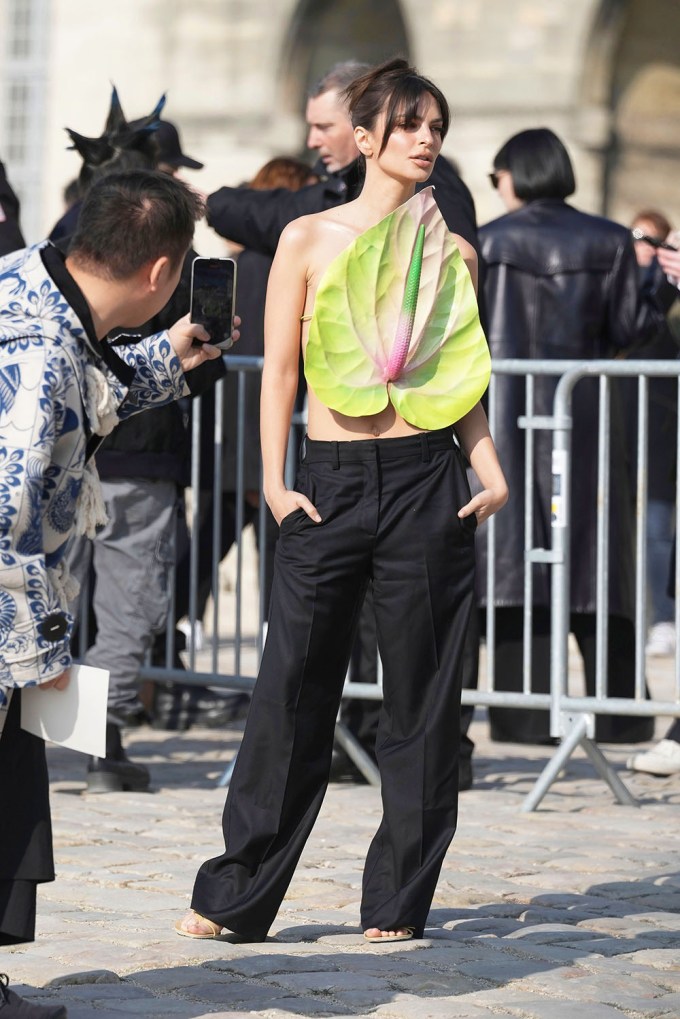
x=464, y=774
x=14, y=1007
x=115, y=773
x=343, y=769
x=133, y=716
x=179, y=706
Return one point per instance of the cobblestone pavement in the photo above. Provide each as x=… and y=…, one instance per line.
x=570, y=911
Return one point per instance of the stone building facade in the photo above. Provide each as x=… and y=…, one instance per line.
x=604, y=74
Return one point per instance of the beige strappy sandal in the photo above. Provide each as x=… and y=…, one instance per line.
x=214, y=932
x=380, y=938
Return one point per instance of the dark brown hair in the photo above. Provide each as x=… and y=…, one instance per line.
x=396, y=88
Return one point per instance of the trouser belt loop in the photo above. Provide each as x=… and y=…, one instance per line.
x=424, y=448
x=303, y=449
x=336, y=457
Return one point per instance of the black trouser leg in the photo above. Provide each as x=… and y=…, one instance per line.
x=532, y=725
x=26, y=843
x=362, y=715
x=203, y=524
x=620, y=676
x=282, y=768
x=470, y=682
x=423, y=597
x=521, y=725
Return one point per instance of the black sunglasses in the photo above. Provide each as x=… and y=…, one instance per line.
x=493, y=178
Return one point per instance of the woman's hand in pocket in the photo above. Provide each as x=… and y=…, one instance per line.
x=287, y=501
x=485, y=503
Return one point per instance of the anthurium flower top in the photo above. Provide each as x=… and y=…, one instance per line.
x=396, y=320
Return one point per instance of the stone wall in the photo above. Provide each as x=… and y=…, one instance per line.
x=602, y=73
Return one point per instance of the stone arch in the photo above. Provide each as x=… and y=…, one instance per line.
x=631, y=100
x=323, y=32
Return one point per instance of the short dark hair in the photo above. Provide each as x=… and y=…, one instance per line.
x=131, y=218
x=539, y=164
x=396, y=88
x=338, y=77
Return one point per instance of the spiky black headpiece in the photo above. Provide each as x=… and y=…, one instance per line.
x=122, y=145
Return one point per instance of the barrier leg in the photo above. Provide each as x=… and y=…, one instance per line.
x=555, y=765
x=605, y=771
x=357, y=754
x=578, y=736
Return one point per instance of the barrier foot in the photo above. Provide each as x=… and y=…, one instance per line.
x=605, y=771
x=357, y=754
x=555, y=764
x=578, y=736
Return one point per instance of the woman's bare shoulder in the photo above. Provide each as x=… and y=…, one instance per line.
x=307, y=228
x=465, y=248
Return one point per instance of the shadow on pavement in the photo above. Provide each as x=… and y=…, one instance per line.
x=549, y=949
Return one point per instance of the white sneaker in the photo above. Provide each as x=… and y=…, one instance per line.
x=661, y=640
x=663, y=759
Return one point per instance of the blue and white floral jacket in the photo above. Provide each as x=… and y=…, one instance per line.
x=55, y=390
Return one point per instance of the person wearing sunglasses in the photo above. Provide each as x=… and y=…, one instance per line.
x=560, y=284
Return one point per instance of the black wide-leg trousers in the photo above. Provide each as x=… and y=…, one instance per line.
x=389, y=513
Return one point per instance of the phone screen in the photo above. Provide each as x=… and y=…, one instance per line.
x=212, y=298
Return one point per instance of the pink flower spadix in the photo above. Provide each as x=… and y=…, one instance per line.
x=407, y=316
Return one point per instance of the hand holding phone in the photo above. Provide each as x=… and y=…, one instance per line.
x=640, y=235
x=213, y=291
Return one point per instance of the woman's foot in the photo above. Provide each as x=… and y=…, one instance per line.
x=193, y=925
x=399, y=934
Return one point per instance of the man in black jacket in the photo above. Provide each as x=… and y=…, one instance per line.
x=256, y=219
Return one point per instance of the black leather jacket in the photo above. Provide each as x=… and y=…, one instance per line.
x=561, y=284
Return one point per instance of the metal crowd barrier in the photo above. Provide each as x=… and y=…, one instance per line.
x=572, y=717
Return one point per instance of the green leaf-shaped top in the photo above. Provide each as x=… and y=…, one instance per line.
x=356, y=320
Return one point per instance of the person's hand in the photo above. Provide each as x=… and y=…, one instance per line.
x=192, y=344
x=287, y=501
x=670, y=260
x=60, y=683
x=485, y=503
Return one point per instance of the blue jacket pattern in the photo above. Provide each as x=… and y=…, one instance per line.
x=46, y=362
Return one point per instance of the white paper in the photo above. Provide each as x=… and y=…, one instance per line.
x=74, y=717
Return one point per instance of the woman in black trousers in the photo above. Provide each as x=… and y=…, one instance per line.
x=394, y=358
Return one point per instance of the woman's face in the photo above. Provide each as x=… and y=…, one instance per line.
x=412, y=147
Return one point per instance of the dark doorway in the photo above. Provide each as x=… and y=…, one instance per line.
x=324, y=32
x=633, y=71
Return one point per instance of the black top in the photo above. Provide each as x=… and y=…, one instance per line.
x=11, y=237
x=257, y=218
x=153, y=444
